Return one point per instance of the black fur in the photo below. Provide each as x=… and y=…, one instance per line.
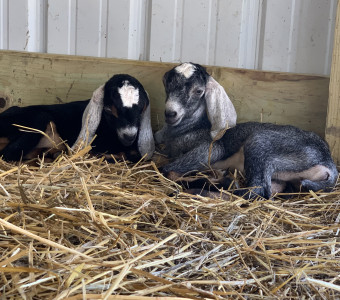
x=68, y=120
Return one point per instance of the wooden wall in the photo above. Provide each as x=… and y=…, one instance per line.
x=32, y=78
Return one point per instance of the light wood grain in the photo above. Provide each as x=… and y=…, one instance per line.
x=333, y=113
x=33, y=78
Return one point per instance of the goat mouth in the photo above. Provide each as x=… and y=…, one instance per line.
x=127, y=140
x=127, y=143
x=173, y=122
x=127, y=135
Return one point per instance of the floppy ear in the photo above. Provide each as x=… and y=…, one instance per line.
x=91, y=118
x=221, y=111
x=146, y=143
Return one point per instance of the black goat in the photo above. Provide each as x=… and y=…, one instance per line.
x=118, y=113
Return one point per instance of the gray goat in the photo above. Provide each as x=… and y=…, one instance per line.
x=197, y=108
x=273, y=157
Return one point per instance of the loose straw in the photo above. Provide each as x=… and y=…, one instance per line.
x=41, y=239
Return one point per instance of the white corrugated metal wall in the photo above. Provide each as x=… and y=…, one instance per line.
x=277, y=35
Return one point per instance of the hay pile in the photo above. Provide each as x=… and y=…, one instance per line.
x=82, y=228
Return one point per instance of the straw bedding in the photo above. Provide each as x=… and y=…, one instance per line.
x=81, y=228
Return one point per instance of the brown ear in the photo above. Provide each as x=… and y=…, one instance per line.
x=114, y=111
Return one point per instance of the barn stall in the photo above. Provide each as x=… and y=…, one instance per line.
x=81, y=228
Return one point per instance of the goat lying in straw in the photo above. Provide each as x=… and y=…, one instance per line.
x=118, y=114
x=273, y=157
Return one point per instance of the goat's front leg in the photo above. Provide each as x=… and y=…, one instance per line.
x=196, y=159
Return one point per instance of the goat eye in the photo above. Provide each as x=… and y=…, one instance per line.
x=198, y=92
x=107, y=109
x=111, y=110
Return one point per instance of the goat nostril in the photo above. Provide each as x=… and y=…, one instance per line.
x=170, y=114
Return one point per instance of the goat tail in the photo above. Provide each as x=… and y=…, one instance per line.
x=326, y=185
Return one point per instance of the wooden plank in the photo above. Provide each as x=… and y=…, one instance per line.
x=32, y=78
x=333, y=114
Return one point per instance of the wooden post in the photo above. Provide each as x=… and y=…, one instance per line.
x=333, y=112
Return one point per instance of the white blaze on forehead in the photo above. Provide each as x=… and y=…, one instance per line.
x=186, y=69
x=129, y=94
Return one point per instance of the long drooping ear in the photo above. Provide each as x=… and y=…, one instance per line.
x=91, y=119
x=221, y=111
x=146, y=143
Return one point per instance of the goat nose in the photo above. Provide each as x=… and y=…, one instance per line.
x=170, y=114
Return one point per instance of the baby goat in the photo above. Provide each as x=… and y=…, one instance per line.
x=197, y=108
x=118, y=113
x=273, y=157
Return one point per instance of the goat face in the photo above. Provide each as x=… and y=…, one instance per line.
x=124, y=102
x=185, y=90
x=122, y=108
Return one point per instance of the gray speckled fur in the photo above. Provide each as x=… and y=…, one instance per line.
x=193, y=134
x=190, y=133
x=268, y=149
x=91, y=118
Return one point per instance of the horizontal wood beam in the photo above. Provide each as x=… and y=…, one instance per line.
x=283, y=98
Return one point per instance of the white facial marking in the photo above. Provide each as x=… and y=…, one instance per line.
x=129, y=130
x=175, y=107
x=186, y=69
x=129, y=94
